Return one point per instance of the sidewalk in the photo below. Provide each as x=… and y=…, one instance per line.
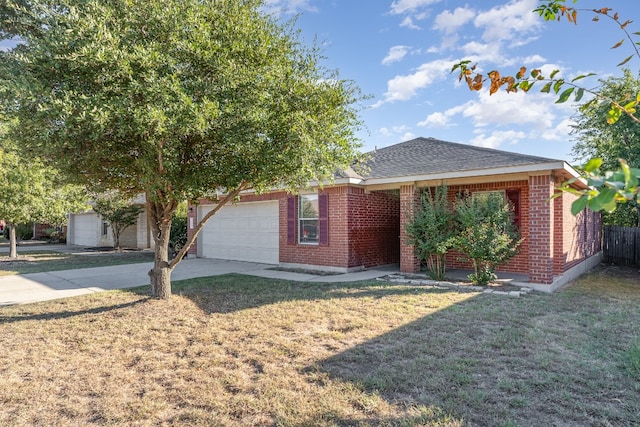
x=27, y=288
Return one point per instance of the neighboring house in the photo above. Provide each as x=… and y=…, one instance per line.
x=358, y=222
x=89, y=229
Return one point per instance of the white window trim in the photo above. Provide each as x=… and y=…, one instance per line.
x=301, y=218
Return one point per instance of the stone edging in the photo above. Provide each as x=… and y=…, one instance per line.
x=460, y=287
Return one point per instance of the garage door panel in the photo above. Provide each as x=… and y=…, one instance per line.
x=85, y=229
x=243, y=232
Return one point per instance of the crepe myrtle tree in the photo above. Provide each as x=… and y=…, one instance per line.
x=174, y=99
x=119, y=210
x=607, y=187
x=432, y=230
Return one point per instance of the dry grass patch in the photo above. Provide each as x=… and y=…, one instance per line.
x=237, y=350
x=40, y=261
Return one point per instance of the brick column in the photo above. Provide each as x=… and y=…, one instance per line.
x=541, y=233
x=192, y=221
x=409, y=263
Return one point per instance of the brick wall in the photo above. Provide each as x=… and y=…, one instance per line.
x=374, y=228
x=409, y=197
x=541, y=229
x=519, y=263
x=577, y=237
x=336, y=252
x=363, y=230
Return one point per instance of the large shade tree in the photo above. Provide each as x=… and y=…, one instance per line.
x=611, y=142
x=175, y=99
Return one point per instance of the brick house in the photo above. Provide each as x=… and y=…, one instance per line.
x=358, y=221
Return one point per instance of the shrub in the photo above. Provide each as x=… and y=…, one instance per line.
x=431, y=230
x=487, y=235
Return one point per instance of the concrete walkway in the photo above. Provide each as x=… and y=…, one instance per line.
x=27, y=288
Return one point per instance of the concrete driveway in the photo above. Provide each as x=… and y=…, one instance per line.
x=27, y=288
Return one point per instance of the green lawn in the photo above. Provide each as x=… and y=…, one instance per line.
x=38, y=261
x=238, y=350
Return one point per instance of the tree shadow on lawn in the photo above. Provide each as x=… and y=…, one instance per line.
x=536, y=360
x=57, y=315
x=235, y=292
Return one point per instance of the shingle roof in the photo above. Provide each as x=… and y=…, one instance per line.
x=422, y=156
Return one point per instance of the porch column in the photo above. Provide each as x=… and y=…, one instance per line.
x=541, y=224
x=409, y=263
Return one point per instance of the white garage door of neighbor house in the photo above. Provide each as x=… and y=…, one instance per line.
x=243, y=232
x=86, y=229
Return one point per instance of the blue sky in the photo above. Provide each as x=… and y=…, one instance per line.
x=401, y=52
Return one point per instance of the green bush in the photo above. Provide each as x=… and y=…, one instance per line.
x=24, y=231
x=431, y=230
x=487, y=235
x=178, y=236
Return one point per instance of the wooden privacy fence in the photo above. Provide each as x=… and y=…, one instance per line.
x=621, y=245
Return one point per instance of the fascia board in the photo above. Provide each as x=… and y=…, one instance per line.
x=538, y=167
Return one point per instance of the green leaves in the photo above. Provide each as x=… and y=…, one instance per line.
x=178, y=105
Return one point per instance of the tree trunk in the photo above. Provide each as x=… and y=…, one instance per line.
x=13, y=242
x=160, y=275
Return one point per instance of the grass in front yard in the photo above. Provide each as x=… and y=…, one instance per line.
x=40, y=261
x=239, y=350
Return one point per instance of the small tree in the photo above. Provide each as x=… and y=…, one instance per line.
x=431, y=230
x=487, y=235
x=31, y=192
x=119, y=211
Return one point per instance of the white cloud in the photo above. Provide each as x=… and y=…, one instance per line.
x=533, y=60
x=384, y=132
x=435, y=120
x=408, y=6
x=508, y=21
x=497, y=138
x=288, y=7
x=504, y=108
x=561, y=132
x=407, y=22
x=396, y=53
x=449, y=22
x=407, y=136
x=402, y=88
x=483, y=51
x=395, y=130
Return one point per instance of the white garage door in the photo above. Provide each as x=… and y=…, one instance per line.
x=243, y=232
x=85, y=229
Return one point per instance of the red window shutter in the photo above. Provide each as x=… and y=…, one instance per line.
x=291, y=220
x=323, y=219
x=513, y=196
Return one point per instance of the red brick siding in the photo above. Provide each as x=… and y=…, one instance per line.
x=519, y=263
x=374, y=228
x=335, y=253
x=541, y=229
x=39, y=230
x=409, y=197
x=577, y=237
